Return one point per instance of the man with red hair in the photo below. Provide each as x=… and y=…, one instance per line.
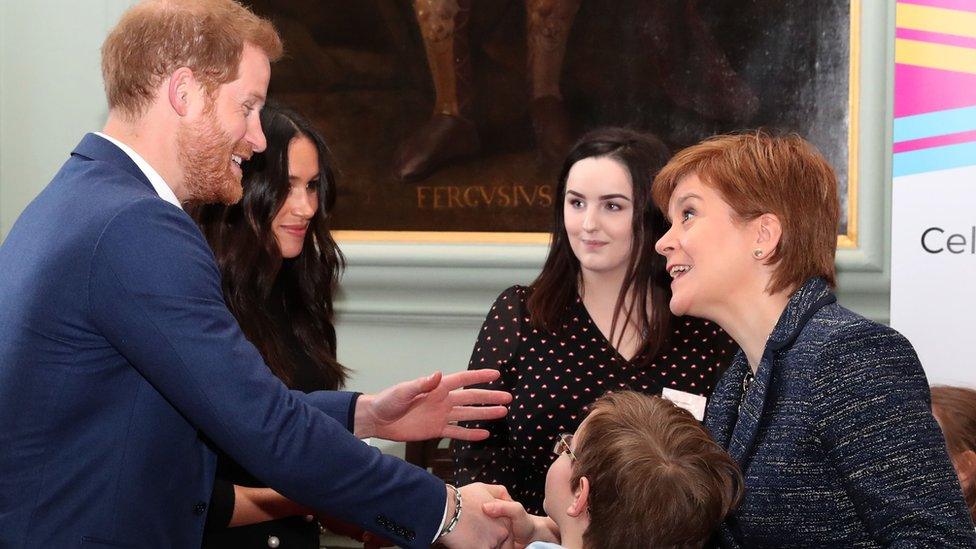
x=120, y=365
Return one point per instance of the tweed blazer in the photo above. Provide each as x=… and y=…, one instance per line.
x=836, y=438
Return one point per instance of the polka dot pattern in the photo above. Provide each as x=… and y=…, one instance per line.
x=553, y=380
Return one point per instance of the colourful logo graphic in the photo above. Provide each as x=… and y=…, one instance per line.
x=935, y=86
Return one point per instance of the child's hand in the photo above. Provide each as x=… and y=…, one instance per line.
x=526, y=528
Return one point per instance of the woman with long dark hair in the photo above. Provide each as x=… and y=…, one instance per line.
x=279, y=263
x=280, y=267
x=595, y=319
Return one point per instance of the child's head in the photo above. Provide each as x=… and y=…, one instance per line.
x=955, y=410
x=642, y=473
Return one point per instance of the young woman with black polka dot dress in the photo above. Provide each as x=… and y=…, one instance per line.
x=595, y=320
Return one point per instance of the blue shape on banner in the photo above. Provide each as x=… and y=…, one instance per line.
x=935, y=123
x=934, y=159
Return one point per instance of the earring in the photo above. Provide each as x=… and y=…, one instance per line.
x=757, y=253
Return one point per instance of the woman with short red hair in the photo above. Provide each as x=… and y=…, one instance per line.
x=826, y=412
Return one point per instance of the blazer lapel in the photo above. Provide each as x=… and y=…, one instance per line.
x=803, y=304
x=94, y=147
x=750, y=410
x=722, y=411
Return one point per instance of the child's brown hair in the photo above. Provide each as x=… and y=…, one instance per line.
x=657, y=479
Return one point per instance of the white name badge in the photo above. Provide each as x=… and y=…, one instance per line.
x=693, y=403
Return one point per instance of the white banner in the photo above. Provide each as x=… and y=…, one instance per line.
x=933, y=270
x=933, y=233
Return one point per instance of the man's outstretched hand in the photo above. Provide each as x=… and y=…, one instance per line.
x=430, y=407
x=475, y=529
x=525, y=528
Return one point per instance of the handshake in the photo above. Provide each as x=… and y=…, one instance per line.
x=478, y=515
x=489, y=518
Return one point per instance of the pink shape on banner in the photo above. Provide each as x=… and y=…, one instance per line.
x=920, y=90
x=961, y=5
x=936, y=38
x=935, y=141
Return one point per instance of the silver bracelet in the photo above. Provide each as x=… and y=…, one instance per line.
x=457, y=513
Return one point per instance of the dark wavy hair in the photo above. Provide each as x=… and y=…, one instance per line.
x=252, y=270
x=557, y=286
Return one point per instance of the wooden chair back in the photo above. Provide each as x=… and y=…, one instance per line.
x=433, y=455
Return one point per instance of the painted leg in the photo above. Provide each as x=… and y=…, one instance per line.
x=449, y=133
x=548, y=25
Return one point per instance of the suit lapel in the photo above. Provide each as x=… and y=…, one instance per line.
x=750, y=411
x=94, y=147
x=803, y=304
x=720, y=417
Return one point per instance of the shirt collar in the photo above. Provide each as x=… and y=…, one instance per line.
x=162, y=189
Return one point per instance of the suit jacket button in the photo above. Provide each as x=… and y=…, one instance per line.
x=273, y=542
x=199, y=508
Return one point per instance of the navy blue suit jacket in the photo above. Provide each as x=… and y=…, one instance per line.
x=120, y=366
x=836, y=438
